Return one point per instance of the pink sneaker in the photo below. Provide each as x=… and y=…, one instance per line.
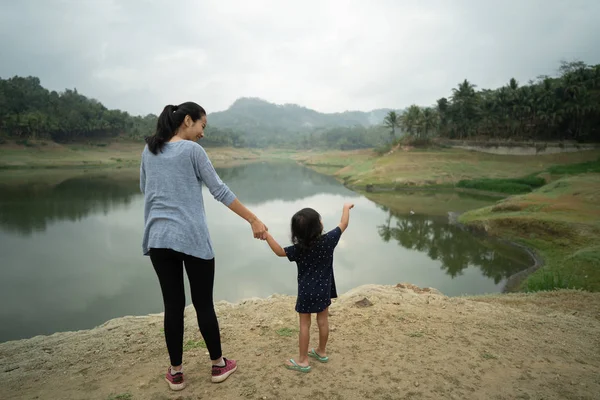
x=175, y=381
x=219, y=374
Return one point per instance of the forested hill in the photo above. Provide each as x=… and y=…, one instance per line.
x=264, y=123
x=254, y=115
x=28, y=111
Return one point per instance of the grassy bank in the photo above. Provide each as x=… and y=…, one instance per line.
x=47, y=155
x=557, y=212
x=401, y=169
x=435, y=167
x=561, y=221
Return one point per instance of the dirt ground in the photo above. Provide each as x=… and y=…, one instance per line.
x=400, y=343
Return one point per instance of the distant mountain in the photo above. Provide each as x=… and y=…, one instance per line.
x=254, y=115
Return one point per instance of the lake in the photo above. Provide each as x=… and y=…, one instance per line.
x=71, y=244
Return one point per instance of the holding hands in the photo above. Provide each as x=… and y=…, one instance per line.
x=259, y=230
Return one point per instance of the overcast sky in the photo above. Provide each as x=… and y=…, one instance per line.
x=330, y=55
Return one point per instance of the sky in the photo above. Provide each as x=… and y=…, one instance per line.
x=329, y=55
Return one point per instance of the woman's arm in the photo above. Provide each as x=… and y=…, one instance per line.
x=142, y=177
x=258, y=228
x=277, y=249
x=222, y=193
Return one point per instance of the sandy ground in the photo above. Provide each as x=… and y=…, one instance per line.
x=403, y=343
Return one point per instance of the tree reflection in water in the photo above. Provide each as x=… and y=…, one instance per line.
x=454, y=248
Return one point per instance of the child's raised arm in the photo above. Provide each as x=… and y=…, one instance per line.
x=277, y=249
x=345, y=216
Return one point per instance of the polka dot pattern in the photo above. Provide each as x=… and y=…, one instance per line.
x=316, y=283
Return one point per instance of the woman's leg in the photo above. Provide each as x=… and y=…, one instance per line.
x=168, y=266
x=201, y=274
x=323, y=323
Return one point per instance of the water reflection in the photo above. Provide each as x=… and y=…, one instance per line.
x=261, y=182
x=71, y=244
x=455, y=249
x=26, y=209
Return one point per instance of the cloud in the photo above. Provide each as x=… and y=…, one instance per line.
x=331, y=56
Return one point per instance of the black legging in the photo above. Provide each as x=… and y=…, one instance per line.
x=201, y=274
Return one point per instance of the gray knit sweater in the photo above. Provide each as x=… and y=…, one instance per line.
x=171, y=182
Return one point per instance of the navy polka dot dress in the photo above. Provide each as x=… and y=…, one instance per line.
x=316, y=284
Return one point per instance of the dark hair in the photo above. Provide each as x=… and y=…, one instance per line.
x=306, y=228
x=169, y=122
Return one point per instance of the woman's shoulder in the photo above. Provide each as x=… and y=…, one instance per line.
x=186, y=144
x=188, y=148
x=181, y=145
x=194, y=147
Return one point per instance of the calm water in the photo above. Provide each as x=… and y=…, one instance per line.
x=71, y=246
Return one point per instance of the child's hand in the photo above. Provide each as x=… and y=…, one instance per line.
x=348, y=206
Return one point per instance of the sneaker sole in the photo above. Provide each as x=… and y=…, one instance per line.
x=221, y=378
x=175, y=386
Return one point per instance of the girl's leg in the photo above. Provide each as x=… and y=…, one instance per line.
x=168, y=267
x=304, y=339
x=323, y=323
x=201, y=274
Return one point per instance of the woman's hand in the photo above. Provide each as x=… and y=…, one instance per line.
x=259, y=230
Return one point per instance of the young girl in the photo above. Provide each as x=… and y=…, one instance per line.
x=313, y=253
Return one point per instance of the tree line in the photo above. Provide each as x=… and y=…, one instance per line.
x=566, y=107
x=28, y=111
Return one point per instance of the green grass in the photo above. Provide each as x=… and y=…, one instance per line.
x=489, y=356
x=415, y=334
x=191, y=344
x=561, y=221
x=573, y=169
x=551, y=280
x=508, y=186
x=529, y=183
x=285, y=332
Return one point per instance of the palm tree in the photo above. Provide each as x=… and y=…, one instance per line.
x=443, y=110
x=464, y=99
x=392, y=121
x=411, y=120
x=430, y=120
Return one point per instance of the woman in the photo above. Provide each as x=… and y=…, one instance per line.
x=173, y=169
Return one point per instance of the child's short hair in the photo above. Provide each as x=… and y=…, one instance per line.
x=306, y=228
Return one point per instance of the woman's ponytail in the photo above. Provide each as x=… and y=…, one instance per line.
x=169, y=122
x=166, y=127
